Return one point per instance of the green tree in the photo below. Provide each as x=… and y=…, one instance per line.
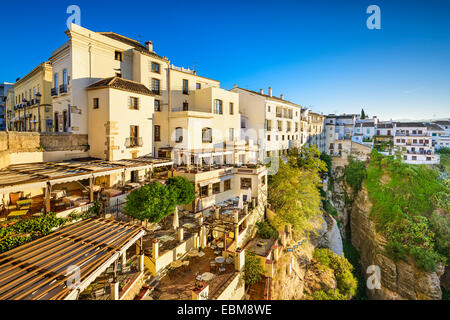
x=363, y=114
x=355, y=173
x=294, y=195
x=308, y=158
x=253, y=270
x=152, y=202
x=328, y=162
x=183, y=188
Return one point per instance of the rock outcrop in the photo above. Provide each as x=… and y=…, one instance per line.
x=399, y=280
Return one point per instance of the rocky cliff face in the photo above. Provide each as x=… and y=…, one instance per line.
x=399, y=280
x=337, y=194
x=298, y=275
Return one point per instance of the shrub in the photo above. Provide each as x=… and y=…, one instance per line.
x=253, y=270
x=342, y=268
x=266, y=230
x=332, y=294
x=355, y=173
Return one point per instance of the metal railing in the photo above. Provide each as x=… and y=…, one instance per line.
x=63, y=88
x=133, y=142
x=54, y=92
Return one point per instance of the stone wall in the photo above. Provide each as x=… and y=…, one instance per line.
x=24, y=147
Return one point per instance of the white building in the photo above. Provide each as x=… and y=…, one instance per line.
x=272, y=122
x=414, y=142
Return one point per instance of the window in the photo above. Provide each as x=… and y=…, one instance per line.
x=118, y=75
x=216, y=188
x=185, y=86
x=55, y=81
x=118, y=55
x=65, y=77
x=155, y=86
x=157, y=133
x=198, y=86
x=268, y=137
x=207, y=135
x=268, y=108
x=95, y=103
x=185, y=106
x=246, y=183
x=134, y=134
x=204, y=191
x=155, y=67
x=227, y=185
x=231, y=108
x=218, y=106
x=134, y=103
x=157, y=105
x=428, y=158
x=414, y=157
x=231, y=134
x=178, y=135
x=263, y=180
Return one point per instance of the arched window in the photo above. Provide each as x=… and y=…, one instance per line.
x=178, y=135
x=207, y=135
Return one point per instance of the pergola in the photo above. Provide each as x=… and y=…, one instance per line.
x=43, y=269
x=45, y=174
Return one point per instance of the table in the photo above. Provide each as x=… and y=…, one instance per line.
x=24, y=202
x=192, y=254
x=71, y=199
x=176, y=264
x=57, y=194
x=220, y=259
x=207, y=276
x=17, y=213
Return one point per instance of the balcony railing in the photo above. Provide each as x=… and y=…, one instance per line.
x=63, y=88
x=54, y=92
x=133, y=142
x=157, y=92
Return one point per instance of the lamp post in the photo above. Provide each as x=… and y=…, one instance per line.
x=38, y=100
x=24, y=101
x=6, y=114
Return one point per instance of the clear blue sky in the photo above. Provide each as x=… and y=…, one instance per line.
x=317, y=53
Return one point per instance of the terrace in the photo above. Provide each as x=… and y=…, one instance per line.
x=180, y=282
x=66, y=186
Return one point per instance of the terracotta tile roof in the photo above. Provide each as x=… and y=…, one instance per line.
x=434, y=127
x=270, y=97
x=131, y=42
x=122, y=84
x=410, y=124
x=442, y=123
x=385, y=125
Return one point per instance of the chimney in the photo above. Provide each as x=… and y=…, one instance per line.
x=270, y=91
x=261, y=91
x=235, y=85
x=282, y=96
x=149, y=45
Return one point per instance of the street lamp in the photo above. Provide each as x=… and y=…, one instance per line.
x=24, y=103
x=38, y=100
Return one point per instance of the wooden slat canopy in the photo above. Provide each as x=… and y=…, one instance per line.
x=39, y=269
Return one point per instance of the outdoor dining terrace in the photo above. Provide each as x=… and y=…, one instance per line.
x=62, y=187
x=182, y=279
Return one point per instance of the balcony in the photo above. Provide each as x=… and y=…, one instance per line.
x=63, y=88
x=133, y=142
x=156, y=91
x=54, y=92
x=279, y=115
